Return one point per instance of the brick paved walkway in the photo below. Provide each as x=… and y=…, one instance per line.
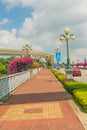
x=40, y=104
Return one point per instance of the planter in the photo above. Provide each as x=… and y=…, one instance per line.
x=68, y=73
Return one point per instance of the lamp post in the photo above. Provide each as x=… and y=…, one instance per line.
x=67, y=37
x=58, y=56
x=27, y=48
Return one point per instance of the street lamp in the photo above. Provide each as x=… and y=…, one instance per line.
x=67, y=37
x=27, y=48
x=58, y=56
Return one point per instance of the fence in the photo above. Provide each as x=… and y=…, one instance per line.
x=11, y=82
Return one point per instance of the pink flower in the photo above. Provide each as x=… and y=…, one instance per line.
x=19, y=64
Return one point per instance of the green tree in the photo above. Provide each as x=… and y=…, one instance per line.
x=3, y=69
x=4, y=64
x=48, y=62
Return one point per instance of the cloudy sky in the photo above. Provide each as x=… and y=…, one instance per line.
x=41, y=22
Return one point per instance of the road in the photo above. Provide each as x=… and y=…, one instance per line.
x=82, y=78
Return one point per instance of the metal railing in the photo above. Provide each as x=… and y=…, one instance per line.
x=11, y=82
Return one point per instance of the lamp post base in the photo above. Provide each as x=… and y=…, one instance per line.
x=58, y=66
x=69, y=73
x=68, y=63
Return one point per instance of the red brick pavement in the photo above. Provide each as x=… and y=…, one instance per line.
x=40, y=104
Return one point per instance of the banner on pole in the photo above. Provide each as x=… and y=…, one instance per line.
x=58, y=56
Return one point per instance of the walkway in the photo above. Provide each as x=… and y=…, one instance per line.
x=40, y=104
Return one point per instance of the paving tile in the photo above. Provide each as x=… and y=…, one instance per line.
x=73, y=124
x=40, y=104
x=3, y=110
x=66, y=109
x=57, y=124
x=24, y=125
x=9, y=125
x=40, y=124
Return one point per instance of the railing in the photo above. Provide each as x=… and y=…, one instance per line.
x=11, y=82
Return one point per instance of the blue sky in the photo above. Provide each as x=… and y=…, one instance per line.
x=41, y=22
x=15, y=16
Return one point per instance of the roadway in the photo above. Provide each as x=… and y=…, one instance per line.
x=82, y=78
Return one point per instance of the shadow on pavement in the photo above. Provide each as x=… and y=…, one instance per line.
x=36, y=97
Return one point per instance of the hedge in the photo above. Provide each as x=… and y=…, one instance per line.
x=71, y=86
x=77, y=89
x=81, y=97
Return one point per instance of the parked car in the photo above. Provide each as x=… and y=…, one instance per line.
x=76, y=72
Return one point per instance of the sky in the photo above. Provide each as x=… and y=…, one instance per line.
x=41, y=22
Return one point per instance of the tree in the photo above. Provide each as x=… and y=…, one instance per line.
x=48, y=62
x=3, y=69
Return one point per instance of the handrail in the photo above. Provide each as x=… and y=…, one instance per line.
x=11, y=82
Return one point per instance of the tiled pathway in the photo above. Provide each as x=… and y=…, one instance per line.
x=40, y=104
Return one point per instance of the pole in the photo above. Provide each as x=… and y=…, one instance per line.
x=57, y=64
x=68, y=59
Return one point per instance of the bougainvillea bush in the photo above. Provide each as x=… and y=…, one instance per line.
x=19, y=65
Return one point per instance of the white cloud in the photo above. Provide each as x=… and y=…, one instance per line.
x=27, y=28
x=49, y=18
x=8, y=40
x=4, y=21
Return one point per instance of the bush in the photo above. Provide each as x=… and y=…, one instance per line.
x=61, y=77
x=53, y=71
x=71, y=86
x=3, y=69
x=67, y=80
x=58, y=75
x=19, y=65
x=81, y=97
x=77, y=89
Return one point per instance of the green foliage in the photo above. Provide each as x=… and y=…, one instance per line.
x=3, y=69
x=71, y=86
x=58, y=75
x=49, y=67
x=54, y=71
x=61, y=77
x=3, y=65
x=77, y=89
x=2, y=60
x=81, y=96
x=6, y=61
x=48, y=62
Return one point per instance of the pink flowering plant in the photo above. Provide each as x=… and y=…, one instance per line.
x=19, y=65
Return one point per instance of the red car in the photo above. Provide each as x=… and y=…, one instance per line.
x=76, y=72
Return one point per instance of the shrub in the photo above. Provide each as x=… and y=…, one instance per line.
x=71, y=86
x=19, y=64
x=77, y=89
x=81, y=96
x=67, y=80
x=3, y=69
x=61, y=77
